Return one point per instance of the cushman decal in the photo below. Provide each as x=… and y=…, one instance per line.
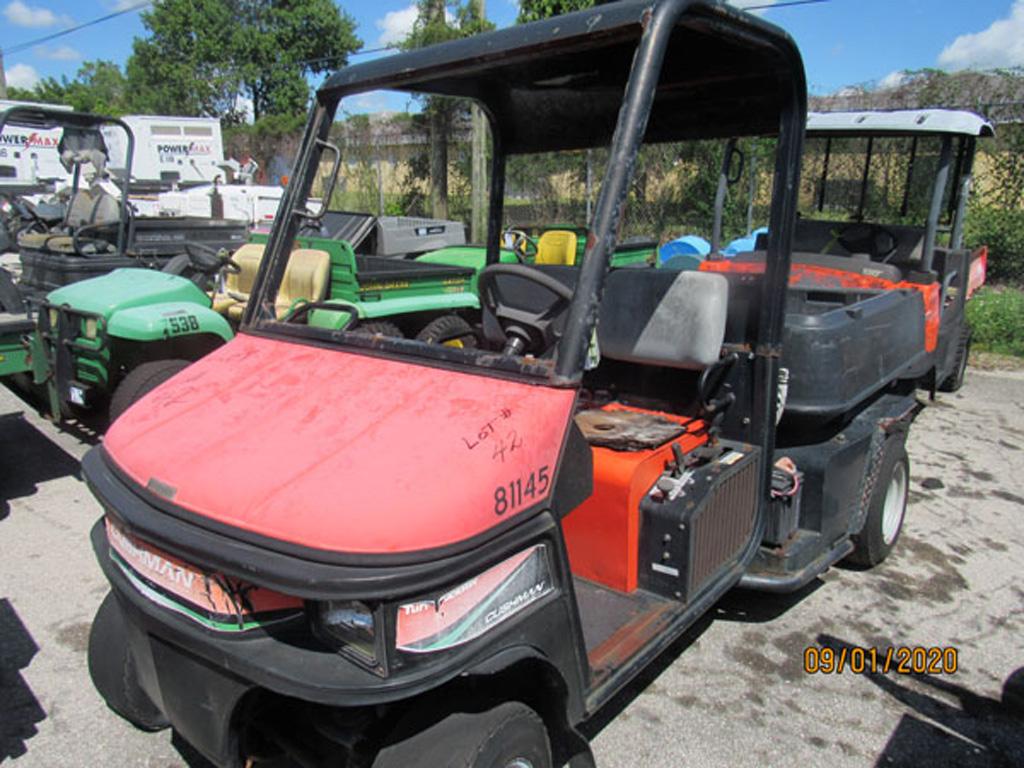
x=150, y=562
x=211, y=599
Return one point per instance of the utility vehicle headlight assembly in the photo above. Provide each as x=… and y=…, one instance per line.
x=54, y=317
x=354, y=626
x=456, y=616
x=89, y=328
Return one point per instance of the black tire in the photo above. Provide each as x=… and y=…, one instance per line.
x=511, y=734
x=955, y=380
x=379, y=327
x=873, y=543
x=112, y=669
x=141, y=381
x=451, y=330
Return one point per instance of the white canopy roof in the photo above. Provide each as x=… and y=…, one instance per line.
x=906, y=121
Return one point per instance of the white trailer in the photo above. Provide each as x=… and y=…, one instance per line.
x=29, y=161
x=169, y=151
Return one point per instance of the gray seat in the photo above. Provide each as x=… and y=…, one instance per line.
x=663, y=318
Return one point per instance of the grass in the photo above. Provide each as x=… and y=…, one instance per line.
x=996, y=316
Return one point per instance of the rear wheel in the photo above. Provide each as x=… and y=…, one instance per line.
x=449, y=330
x=886, y=508
x=509, y=736
x=141, y=381
x=955, y=380
x=379, y=328
x=112, y=669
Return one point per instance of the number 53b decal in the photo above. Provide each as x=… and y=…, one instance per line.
x=183, y=323
x=514, y=493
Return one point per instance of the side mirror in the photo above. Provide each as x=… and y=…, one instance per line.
x=328, y=190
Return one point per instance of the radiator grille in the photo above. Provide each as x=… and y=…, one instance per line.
x=723, y=527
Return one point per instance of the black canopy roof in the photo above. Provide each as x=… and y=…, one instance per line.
x=558, y=83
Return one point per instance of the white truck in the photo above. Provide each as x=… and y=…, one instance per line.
x=29, y=161
x=169, y=151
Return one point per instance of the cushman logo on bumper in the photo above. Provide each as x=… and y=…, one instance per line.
x=521, y=600
x=215, y=600
x=150, y=562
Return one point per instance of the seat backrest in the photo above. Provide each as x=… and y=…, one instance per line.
x=80, y=208
x=106, y=209
x=248, y=259
x=663, y=317
x=306, y=277
x=556, y=246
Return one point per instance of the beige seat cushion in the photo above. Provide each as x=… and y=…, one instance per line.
x=238, y=285
x=305, y=279
x=47, y=240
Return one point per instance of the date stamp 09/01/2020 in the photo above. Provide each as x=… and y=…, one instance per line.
x=899, y=660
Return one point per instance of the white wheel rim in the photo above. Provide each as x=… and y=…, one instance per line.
x=520, y=762
x=895, y=504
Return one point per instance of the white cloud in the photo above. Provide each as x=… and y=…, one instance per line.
x=744, y=5
x=22, y=15
x=893, y=80
x=61, y=53
x=396, y=25
x=367, y=103
x=1001, y=45
x=22, y=76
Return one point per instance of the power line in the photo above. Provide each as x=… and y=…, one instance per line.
x=789, y=4
x=47, y=38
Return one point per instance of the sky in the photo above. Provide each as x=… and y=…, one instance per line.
x=844, y=42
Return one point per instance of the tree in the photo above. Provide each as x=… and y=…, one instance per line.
x=435, y=25
x=201, y=55
x=534, y=10
x=98, y=86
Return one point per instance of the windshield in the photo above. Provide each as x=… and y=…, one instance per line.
x=416, y=273
x=882, y=179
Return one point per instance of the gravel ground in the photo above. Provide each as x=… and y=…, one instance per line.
x=732, y=693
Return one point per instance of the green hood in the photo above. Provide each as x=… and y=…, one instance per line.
x=127, y=288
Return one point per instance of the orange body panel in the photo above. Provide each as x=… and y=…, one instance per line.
x=602, y=534
x=825, y=277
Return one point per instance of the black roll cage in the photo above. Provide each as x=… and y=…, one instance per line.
x=741, y=74
x=49, y=118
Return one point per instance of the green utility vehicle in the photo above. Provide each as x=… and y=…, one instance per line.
x=559, y=245
x=105, y=342
x=14, y=326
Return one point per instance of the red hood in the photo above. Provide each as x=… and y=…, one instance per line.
x=340, y=451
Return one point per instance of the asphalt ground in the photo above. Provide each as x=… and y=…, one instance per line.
x=733, y=692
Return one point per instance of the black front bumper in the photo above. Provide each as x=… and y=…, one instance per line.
x=198, y=677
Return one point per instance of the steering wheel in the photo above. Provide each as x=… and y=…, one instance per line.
x=522, y=244
x=209, y=260
x=863, y=237
x=521, y=329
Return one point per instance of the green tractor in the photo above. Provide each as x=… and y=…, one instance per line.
x=105, y=342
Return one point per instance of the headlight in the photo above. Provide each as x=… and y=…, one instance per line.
x=458, y=615
x=353, y=625
x=53, y=316
x=90, y=327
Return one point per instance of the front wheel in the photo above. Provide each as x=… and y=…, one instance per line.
x=142, y=380
x=509, y=736
x=887, y=507
x=112, y=669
